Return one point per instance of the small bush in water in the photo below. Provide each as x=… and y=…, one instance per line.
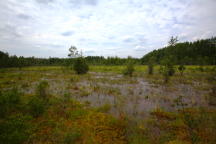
x=80, y=66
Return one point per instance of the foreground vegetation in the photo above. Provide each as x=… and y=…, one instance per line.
x=31, y=119
x=55, y=105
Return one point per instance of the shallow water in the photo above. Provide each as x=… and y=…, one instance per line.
x=132, y=96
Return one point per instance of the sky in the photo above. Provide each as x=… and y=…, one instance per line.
x=47, y=28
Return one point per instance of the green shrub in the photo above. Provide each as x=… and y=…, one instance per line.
x=74, y=78
x=167, y=68
x=42, y=90
x=201, y=68
x=164, y=71
x=72, y=136
x=192, y=121
x=151, y=65
x=171, y=70
x=8, y=101
x=66, y=97
x=104, y=108
x=150, y=69
x=15, y=129
x=212, y=96
x=181, y=69
x=36, y=106
x=80, y=66
x=129, y=68
x=77, y=113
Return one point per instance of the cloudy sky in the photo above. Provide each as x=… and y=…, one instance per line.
x=44, y=28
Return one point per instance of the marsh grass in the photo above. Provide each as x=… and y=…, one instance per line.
x=62, y=113
x=104, y=108
x=187, y=125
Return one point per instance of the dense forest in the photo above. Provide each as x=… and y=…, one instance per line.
x=14, y=61
x=200, y=52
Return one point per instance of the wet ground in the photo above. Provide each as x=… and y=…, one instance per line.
x=133, y=96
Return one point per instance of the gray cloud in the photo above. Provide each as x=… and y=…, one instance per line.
x=68, y=33
x=84, y=2
x=49, y=45
x=44, y=1
x=128, y=40
x=23, y=16
x=8, y=32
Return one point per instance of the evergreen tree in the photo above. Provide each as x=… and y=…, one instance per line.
x=80, y=65
x=199, y=52
x=129, y=67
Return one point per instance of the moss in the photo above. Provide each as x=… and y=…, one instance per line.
x=178, y=142
x=72, y=136
x=160, y=114
x=104, y=108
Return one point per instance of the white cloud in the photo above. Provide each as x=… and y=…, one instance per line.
x=101, y=27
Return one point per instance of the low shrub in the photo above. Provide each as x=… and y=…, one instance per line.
x=150, y=69
x=36, y=106
x=104, y=108
x=151, y=65
x=80, y=66
x=129, y=70
x=72, y=136
x=212, y=96
x=8, y=101
x=42, y=90
x=77, y=113
x=15, y=129
x=181, y=69
x=74, y=78
x=167, y=68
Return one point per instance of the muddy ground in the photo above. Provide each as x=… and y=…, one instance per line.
x=133, y=96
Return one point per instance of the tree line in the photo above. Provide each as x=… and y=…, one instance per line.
x=200, y=52
x=7, y=61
